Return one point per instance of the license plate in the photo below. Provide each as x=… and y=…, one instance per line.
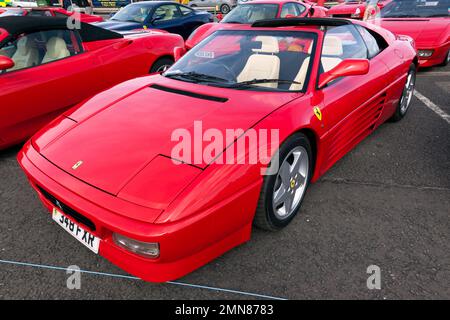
x=82, y=235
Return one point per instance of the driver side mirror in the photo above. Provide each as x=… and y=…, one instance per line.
x=347, y=67
x=178, y=52
x=6, y=63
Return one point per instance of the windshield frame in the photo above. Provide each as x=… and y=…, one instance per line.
x=314, y=35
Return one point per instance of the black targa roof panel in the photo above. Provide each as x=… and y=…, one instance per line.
x=88, y=32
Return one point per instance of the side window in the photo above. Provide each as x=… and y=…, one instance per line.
x=301, y=8
x=372, y=44
x=166, y=13
x=289, y=9
x=340, y=43
x=34, y=49
x=185, y=10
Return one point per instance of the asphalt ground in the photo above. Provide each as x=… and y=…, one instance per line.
x=386, y=203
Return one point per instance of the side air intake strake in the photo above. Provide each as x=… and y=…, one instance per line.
x=189, y=93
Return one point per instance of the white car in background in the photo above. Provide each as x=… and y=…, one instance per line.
x=224, y=6
x=24, y=4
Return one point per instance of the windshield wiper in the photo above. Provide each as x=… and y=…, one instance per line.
x=244, y=84
x=195, y=77
x=236, y=22
x=437, y=15
x=402, y=16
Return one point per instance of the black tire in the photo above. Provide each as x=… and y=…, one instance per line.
x=401, y=112
x=224, y=9
x=446, y=60
x=160, y=64
x=265, y=217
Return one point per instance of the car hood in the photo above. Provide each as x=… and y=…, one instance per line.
x=424, y=31
x=117, y=141
x=119, y=25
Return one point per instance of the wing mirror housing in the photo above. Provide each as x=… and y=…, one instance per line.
x=178, y=52
x=6, y=63
x=347, y=67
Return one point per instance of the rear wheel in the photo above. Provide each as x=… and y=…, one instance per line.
x=282, y=193
x=161, y=65
x=225, y=9
x=408, y=91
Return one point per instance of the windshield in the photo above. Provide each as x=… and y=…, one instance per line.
x=416, y=8
x=249, y=13
x=249, y=60
x=132, y=13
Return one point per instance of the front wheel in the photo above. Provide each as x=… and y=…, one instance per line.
x=161, y=65
x=282, y=193
x=407, y=94
x=224, y=9
x=446, y=59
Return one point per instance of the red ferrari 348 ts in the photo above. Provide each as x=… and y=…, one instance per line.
x=47, y=67
x=426, y=21
x=111, y=174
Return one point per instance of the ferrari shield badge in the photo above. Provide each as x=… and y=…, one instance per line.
x=318, y=113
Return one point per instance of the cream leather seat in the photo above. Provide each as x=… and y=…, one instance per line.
x=25, y=56
x=331, y=53
x=56, y=49
x=263, y=64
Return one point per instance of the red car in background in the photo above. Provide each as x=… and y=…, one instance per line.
x=250, y=12
x=46, y=68
x=50, y=12
x=112, y=174
x=354, y=9
x=427, y=22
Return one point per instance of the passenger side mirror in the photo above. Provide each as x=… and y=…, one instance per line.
x=348, y=67
x=6, y=63
x=178, y=52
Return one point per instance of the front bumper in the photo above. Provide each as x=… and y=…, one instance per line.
x=185, y=245
x=438, y=56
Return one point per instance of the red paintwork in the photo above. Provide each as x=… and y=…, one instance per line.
x=128, y=184
x=428, y=34
x=55, y=11
x=205, y=30
x=346, y=9
x=34, y=96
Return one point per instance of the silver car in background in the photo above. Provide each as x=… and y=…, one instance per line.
x=224, y=6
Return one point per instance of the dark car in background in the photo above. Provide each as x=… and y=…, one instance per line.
x=164, y=15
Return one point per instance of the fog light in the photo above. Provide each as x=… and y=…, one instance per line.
x=425, y=53
x=145, y=249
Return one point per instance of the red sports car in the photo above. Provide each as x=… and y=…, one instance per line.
x=50, y=12
x=427, y=22
x=354, y=9
x=45, y=68
x=159, y=174
x=248, y=13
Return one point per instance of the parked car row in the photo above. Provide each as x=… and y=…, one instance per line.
x=105, y=103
